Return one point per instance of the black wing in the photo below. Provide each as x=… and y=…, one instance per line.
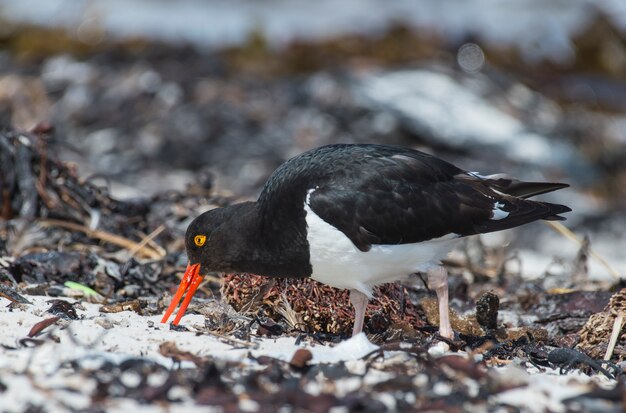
x=407, y=196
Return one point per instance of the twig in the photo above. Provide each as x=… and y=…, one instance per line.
x=145, y=251
x=617, y=329
x=156, y=247
x=146, y=240
x=567, y=233
x=25, y=179
x=40, y=183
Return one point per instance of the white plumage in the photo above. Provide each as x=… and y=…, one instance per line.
x=337, y=262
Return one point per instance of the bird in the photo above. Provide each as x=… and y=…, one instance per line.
x=354, y=216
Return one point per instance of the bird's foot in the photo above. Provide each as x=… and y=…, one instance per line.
x=438, y=280
x=359, y=302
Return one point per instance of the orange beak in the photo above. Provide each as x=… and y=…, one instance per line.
x=191, y=281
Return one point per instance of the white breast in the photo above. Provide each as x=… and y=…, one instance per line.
x=337, y=262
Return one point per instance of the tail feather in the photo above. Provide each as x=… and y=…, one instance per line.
x=512, y=208
x=514, y=187
x=556, y=210
x=522, y=211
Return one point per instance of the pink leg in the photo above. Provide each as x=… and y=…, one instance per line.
x=359, y=302
x=438, y=280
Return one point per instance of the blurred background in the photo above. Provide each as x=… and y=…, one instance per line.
x=160, y=95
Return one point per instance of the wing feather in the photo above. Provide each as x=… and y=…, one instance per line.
x=411, y=197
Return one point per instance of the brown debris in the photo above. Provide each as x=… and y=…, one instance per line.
x=134, y=305
x=465, y=325
x=40, y=326
x=600, y=48
x=321, y=308
x=537, y=334
x=301, y=359
x=595, y=334
x=135, y=248
x=26, y=98
x=169, y=349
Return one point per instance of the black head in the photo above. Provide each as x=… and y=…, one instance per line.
x=214, y=238
x=213, y=241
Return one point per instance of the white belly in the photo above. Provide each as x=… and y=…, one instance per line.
x=337, y=262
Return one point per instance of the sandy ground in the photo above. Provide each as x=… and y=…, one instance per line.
x=50, y=374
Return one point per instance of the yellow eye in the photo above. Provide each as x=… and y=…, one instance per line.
x=199, y=240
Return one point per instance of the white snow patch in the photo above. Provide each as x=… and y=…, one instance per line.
x=352, y=349
x=544, y=392
x=131, y=336
x=436, y=105
x=62, y=389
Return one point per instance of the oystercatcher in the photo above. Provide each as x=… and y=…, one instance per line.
x=355, y=216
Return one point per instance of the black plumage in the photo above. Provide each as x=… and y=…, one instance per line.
x=378, y=194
